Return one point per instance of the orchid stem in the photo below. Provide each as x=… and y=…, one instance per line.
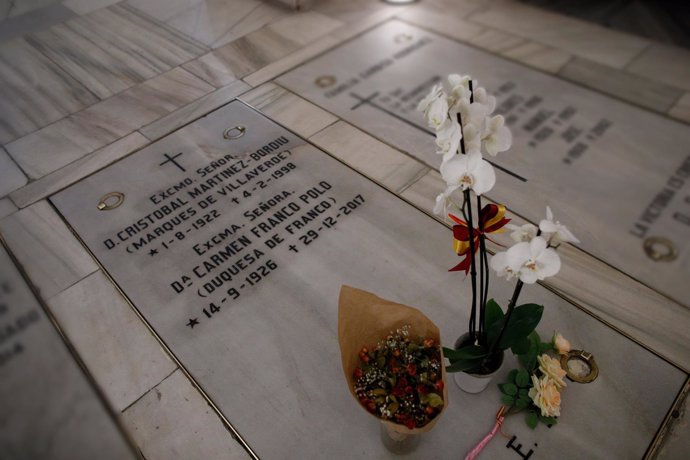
x=509, y=313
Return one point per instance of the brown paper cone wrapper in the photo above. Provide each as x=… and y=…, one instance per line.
x=364, y=319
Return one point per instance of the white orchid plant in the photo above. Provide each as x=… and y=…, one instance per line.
x=461, y=114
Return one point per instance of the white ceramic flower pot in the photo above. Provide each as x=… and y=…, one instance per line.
x=474, y=383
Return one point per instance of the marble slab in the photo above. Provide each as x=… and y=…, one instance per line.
x=681, y=109
x=237, y=265
x=7, y=207
x=57, y=145
x=587, y=40
x=34, y=91
x=174, y=422
x=46, y=249
x=67, y=175
x=50, y=411
x=115, y=345
x=618, y=175
x=11, y=177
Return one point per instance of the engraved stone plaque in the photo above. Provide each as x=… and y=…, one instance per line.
x=617, y=174
x=234, y=249
x=48, y=409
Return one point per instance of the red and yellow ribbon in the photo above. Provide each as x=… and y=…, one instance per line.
x=492, y=218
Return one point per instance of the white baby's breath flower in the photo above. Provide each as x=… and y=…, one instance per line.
x=497, y=137
x=522, y=233
x=557, y=232
x=448, y=138
x=536, y=260
x=468, y=171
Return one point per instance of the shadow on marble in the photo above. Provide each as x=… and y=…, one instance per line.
x=584, y=39
x=41, y=18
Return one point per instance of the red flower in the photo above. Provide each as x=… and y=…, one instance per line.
x=422, y=389
x=409, y=423
x=439, y=385
x=412, y=369
x=357, y=373
x=398, y=392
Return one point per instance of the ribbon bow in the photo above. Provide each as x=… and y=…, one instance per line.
x=492, y=218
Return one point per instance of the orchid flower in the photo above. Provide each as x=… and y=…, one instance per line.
x=459, y=86
x=441, y=205
x=522, y=232
x=481, y=96
x=468, y=171
x=448, y=138
x=557, y=232
x=472, y=113
x=435, y=93
x=496, y=137
x=437, y=113
x=536, y=259
x=472, y=140
x=504, y=266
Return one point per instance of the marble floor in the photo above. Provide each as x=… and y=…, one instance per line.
x=86, y=83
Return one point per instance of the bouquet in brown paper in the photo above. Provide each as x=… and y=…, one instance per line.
x=392, y=360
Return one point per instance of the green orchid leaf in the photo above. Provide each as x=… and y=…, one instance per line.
x=532, y=419
x=523, y=321
x=507, y=400
x=521, y=346
x=511, y=376
x=529, y=359
x=463, y=365
x=493, y=320
x=467, y=352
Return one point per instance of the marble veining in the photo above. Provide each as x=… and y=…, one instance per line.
x=106, y=331
x=288, y=109
x=34, y=91
x=45, y=247
x=581, y=38
x=49, y=409
x=635, y=89
x=11, y=177
x=667, y=64
x=59, y=144
x=174, y=422
x=681, y=109
x=67, y=175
